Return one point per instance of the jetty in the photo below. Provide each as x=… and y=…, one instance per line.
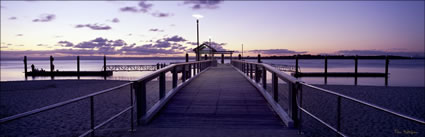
x=211, y=99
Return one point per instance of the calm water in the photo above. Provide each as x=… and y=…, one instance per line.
x=402, y=72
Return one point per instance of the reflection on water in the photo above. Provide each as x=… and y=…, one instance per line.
x=402, y=72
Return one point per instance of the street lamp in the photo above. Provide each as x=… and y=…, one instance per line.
x=197, y=16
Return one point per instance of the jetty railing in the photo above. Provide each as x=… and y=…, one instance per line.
x=188, y=70
x=91, y=96
x=257, y=74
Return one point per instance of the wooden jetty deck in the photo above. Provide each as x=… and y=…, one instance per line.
x=220, y=102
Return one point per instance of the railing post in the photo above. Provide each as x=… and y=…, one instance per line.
x=257, y=74
x=292, y=101
x=298, y=121
x=184, y=74
x=239, y=57
x=92, y=115
x=326, y=69
x=175, y=77
x=275, y=87
x=140, y=92
x=387, y=62
x=189, y=72
x=161, y=85
x=250, y=70
x=355, y=69
x=187, y=57
x=264, y=78
x=339, y=114
x=157, y=66
x=132, y=108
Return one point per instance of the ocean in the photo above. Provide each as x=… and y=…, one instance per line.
x=402, y=72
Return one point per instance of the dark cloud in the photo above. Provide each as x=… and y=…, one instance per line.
x=65, y=44
x=175, y=39
x=144, y=7
x=277, y=51
x=3, y=47
x=19, y=35
x=156, y=30
x=13, y=18
x=94, y=26
x=379, y=52
x=45, y=18
x=98, y=43
x=203, y=4
x=161, y=14
x=42, y=45
x=147, y=49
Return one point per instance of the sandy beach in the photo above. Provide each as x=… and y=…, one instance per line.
x=74, y=119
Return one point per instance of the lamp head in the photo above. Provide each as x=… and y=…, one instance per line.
x=197, y=16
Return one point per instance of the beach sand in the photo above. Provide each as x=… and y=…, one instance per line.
x=74, y=119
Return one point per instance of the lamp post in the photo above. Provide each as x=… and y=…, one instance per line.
x=211, y=54
x=242, y=51
x=197, y=16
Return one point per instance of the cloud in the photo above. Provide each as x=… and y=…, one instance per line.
x=175, y=39
x=19, y=35
x=161, y=14
x=45, y=18
x=217, y=46
x=129, y=9
x=193, y=43
x=380, y=52
x=41, y=45
x=115, y=20
x=94, y=26
x=156, y=30
x=65, y=44
x=203, y=4
x=147, y=49
x=143, y=7
x=277, y=51
x=13, y=18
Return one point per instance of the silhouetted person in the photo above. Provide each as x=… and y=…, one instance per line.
x=32, y=68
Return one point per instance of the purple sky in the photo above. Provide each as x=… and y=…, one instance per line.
x=167, y=28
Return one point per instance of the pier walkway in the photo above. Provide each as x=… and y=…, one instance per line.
x=220, y=102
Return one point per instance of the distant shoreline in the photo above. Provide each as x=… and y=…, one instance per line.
x=218, y=57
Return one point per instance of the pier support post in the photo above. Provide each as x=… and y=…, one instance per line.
x=25, y=67
x=387, y=62
x=205, y=57
x=184, y=74
x=187, y=57
x=78, y=67
x=355, y=69
x=250, y=70
x=292, y=98
x=296, y=66
x=104, y=63
x=222, y=58
x=259, y=58
x=104, y=68
x=326, y=69
x=52, y=67
x=239, y=57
